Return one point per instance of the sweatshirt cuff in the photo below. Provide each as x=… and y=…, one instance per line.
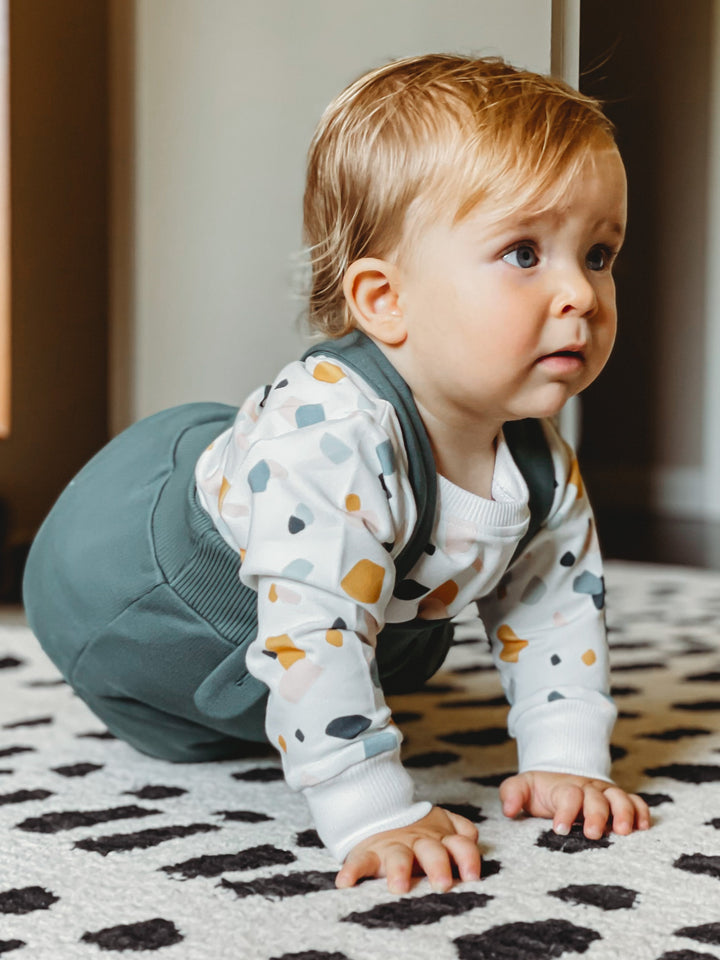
x=566, y=736
x=364, y=799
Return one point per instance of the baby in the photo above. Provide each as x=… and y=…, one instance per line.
x=216, y=577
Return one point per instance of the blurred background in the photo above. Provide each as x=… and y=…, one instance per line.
x=156, y=160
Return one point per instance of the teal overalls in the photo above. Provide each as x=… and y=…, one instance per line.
x=136, y=598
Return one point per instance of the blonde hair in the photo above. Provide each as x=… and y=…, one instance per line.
x=432, y=134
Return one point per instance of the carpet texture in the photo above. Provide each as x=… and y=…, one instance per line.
x=105, y=852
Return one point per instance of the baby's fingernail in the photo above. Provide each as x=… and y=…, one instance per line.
x=562, y=829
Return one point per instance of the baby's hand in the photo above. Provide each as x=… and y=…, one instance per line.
x=433, y=843
x=563, y=797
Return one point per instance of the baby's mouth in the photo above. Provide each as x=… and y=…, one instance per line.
x=570, y=358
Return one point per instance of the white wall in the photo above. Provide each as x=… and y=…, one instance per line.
x=226, y=97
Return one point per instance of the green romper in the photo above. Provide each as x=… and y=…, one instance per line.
x=135, y=596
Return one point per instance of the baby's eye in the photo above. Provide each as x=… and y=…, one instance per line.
x=523, y=256
x=599, y=258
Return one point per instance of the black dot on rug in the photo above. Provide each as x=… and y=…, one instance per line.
x=467, y=810
x=704, y=933
x=543, y=940
x=26, y=900
x=213, y=865
x=574, y=842
x=686, y=955
x=283, y=885
x=7, y=945
x=77, y=769
x=486, y=737
x=605, y=896
x=413, y=911
x=260, y=775
x=655, y=799
x=144, y=935
x=312, y=955
x=156, y=792
x=687, y=772
x=699, y=863
x=433, y=758
x=309, y=838
x=243, y=816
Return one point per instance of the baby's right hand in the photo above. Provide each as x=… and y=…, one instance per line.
x=433, y=843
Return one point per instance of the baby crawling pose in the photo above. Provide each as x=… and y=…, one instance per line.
x=215, y=577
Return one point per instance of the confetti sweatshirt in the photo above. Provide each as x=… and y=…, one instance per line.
x=310, y=486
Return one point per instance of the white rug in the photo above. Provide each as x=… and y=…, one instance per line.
x=105, y=851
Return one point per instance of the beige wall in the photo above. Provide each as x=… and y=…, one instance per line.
x=226, y=98
x=59, y=250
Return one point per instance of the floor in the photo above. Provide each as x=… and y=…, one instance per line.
x=628, y=535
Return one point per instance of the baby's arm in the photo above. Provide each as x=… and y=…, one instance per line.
x=546, y=625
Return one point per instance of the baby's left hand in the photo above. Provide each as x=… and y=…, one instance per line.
x=564, y=797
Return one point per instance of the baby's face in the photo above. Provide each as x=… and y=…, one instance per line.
x=509, y=316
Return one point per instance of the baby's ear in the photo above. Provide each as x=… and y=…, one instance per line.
x=371, y=291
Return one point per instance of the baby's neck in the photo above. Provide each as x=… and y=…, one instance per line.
x=466, y=460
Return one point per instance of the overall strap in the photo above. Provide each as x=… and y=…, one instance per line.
x=530, y=451
x=525, y=438
x=357, y=351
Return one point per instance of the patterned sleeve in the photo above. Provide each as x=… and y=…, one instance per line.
x=312, y=490
x=546, y=624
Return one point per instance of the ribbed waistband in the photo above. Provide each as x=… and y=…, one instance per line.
x=197, y=563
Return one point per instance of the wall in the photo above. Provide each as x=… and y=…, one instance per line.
x=226, y=97
x=645, y=419
x=58, y=130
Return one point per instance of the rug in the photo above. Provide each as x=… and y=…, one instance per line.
x=105, y=852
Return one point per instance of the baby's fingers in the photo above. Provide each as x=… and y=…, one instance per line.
x=466, y=855
x=434, y=860
x=359, y=864
x=568, y=800
x=628, y=811
x=596, y=810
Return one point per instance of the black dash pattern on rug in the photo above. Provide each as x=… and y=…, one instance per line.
x=70, y=819
x=77, y=769
x=312, y=955
x=259, y=775
x=413, y=911
x=212, y=865
x=26, y=900
x=433, y=758
x=243, y=816
x=699, y=863
x=655, y=799
x=543, y=940
x=7, y=945
x=156, y=792
x=604, y=896
x=143, y=839
x=704, y=933
x=144, y=935
x=487, y=737
x=687, y=772
x=686, y=955
x=283, y=884
x=309, y=838
x=574, y=842
x=467, y=810
x=677, y=733
x=35, y=722
x=22, y=796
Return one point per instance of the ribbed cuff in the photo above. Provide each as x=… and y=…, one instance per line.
x=566, y=736
x=365, y=799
